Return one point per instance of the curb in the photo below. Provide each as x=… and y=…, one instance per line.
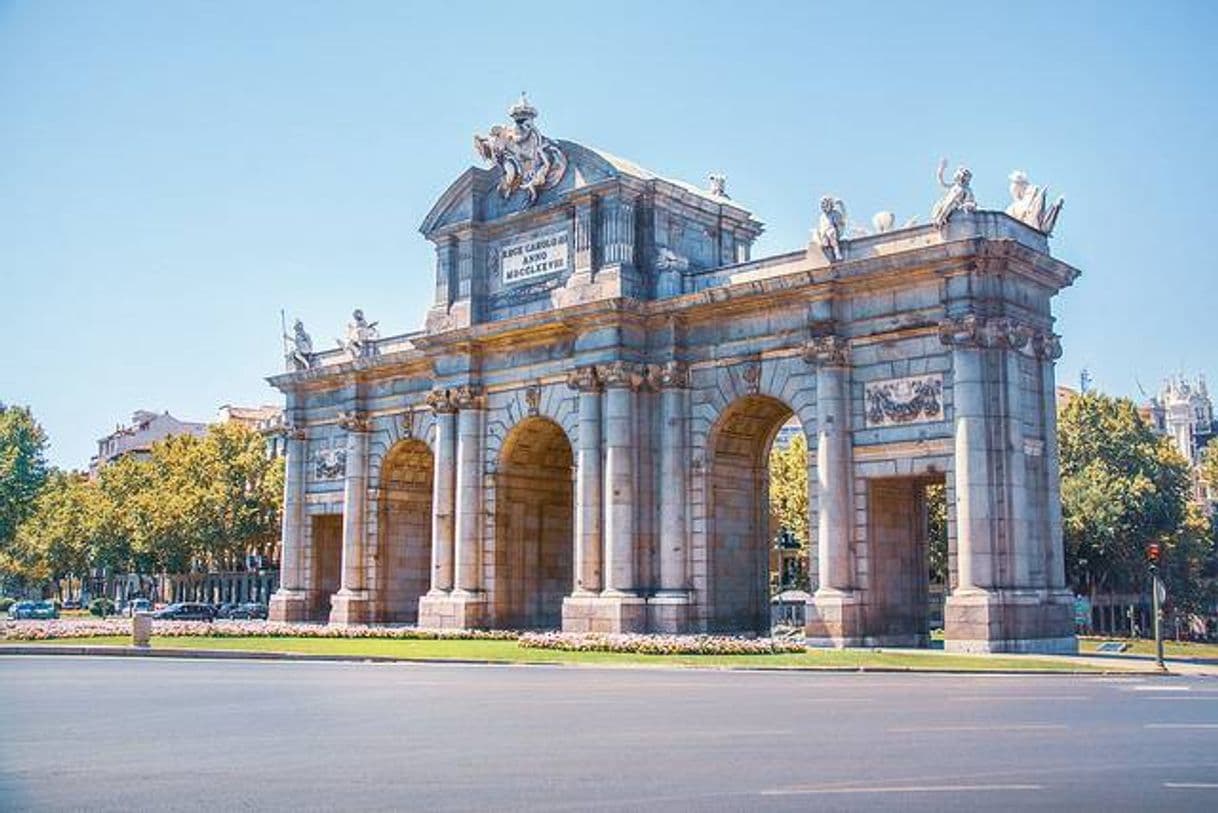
x=244, y=655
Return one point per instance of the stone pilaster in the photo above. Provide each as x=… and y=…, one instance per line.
x=668, y=610
x=352, y=603
x=290, y=601
x=834, y=615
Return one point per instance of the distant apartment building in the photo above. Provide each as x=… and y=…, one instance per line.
x=266, y=420
x=136, y=439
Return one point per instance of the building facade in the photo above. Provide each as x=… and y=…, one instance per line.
x=578, y=436
x=136, y=439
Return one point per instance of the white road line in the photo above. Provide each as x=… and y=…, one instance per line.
x=1192, y=785
x=795, y=791
x=958, y=728
x=1181, y=725
x=1007, y=697
x=1158, y=689
x=1211, y=697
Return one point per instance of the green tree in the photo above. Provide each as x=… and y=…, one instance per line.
x=789, y=487
x=1122, y=486
x=54, y=542
x=23, y=468
x=936, y=519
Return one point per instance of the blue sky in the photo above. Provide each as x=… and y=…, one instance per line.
x=172, y=174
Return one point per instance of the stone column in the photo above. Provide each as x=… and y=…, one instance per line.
x=352, y=603
x=290, y=602
x=467, y=560
x=622, y=380
x=589, y=483
x=443, y=508
x=834, y=617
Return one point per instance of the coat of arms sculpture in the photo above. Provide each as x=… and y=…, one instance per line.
x=529, y=160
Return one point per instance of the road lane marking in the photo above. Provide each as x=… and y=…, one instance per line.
x=987, y=697
x=1181, y=725
x=1158, y=689
x=1192, y=785
x=794, y=791
x=958, y=728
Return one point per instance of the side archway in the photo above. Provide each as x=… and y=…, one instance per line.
x=404, y=530
x=739, y=532
x=534, y=556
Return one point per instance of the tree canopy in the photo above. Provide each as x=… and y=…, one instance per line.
x=1122, y=487
x=197, y=503
x=23, y=468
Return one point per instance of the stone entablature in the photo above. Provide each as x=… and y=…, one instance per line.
x=588, y=449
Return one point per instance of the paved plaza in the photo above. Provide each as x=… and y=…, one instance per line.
x=113, y=734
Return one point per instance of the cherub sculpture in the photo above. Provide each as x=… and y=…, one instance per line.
x=959, y=197
x=831, y=227
x=1028, y=203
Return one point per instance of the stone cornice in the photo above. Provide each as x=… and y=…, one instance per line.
x=972, y=331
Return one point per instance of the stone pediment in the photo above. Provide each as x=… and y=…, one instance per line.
x=475, y=197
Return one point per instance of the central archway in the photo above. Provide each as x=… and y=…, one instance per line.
x=740, y=532
x=534, y=531
x=404, y=522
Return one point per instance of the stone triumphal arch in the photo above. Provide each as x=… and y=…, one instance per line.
x=578, y=435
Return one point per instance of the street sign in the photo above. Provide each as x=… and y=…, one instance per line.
x=1160, y=591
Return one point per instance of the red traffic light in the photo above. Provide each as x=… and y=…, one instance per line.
x=1152, y=552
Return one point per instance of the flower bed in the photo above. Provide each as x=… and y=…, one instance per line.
x=658, y=644
x=92, y=628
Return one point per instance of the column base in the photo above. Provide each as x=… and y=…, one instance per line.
x=604, y=613
x=349, y=607
x=1037, y=621
x=668, y=612
x=288, y=606
x=834, y=619
x=458, y=610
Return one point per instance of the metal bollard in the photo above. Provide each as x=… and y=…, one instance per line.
x=141, y=629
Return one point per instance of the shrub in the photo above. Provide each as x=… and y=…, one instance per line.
x=659, y=644
x=6, y=602
x=101, y=607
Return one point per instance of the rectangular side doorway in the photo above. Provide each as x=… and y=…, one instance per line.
x=903, y=515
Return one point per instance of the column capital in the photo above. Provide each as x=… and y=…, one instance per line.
x=354, y=421
x=442, y=401
x=621, y=374
x=468, y=396
x=829, y=350
x=973, y=331
x=669, y=375
x=292, y=431
x=1047, y=346
x=584, y=379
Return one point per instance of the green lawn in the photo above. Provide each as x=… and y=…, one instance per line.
x=1139, y=646
x=510, y=652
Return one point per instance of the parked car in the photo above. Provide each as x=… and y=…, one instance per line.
x=72, y=604
x=137, y=605
x=41, y=610
x=250, y=609
x=186, y=611
x=225, y=610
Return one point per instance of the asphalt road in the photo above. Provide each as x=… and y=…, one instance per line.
x=122, y=734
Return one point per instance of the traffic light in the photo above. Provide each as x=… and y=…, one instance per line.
x=1152, y=553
